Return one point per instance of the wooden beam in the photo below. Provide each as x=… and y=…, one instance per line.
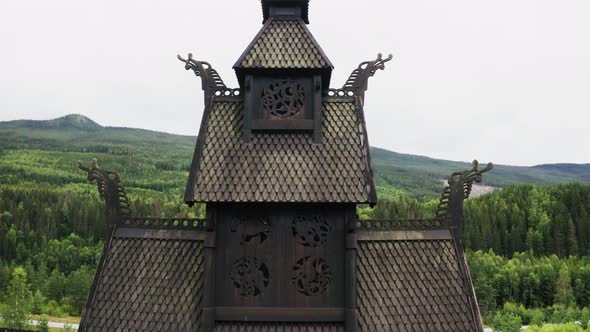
x=269, y=314
x=154, y=233
x=282, y=124
x=403, y=235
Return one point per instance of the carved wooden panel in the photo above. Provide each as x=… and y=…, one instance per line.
x=250, y=275
x=283, y=98
x=311, y=276
x=273, y=255
x=281, y=103
x=252, y=229
x=311, y=230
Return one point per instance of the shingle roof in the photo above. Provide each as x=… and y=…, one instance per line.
x=285, y=44
x=285, y=166
x=414, y=285
x=148, y=284
x=278, y=327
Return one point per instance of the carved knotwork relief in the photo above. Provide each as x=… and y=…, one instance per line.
x=311, y=276
x=250, y=275
x=311, y=231
x=253, y=230
x=283, y=98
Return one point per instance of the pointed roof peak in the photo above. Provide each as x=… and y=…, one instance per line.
x=284, y=43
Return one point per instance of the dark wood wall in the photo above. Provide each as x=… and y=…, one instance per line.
x=280, y=256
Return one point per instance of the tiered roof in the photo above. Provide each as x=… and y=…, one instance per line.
x=282, y=167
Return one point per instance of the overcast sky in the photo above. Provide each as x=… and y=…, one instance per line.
x=506, y=81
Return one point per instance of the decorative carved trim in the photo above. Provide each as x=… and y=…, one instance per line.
x=460, y=182
x=168, y=234
x=402, y=235
x=211, y=81
x=283, y=98
x=110, y=188
x=401, y=224
x=340, y=93
x=167, y=223
x=250, y=275
x=260, y=223
x=228, y=93
x=311, y=276
x=449, y=213
x=358, y=79
x=311, y=231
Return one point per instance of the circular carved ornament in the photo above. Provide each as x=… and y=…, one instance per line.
x=250, y=275
x=252, y=230
x=311, y=231
x=283, y=98
x=311, y=276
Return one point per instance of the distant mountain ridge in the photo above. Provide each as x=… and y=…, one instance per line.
x=575, y=170
x=71, y=121
x=422, y=176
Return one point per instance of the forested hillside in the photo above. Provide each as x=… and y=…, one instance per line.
x=160, y=161
x=528, y=243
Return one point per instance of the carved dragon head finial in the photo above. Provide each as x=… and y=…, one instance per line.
x=210, y=79
x=99, y=175
x=109, y=187
x=198, y=67
x=459, y=187
x=358, y=79
x=378, y=63
x=467, y=177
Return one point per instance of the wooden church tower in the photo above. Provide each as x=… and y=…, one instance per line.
x=282, y=163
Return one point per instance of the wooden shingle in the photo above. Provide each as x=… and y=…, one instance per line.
x=412, y=285
x=282, y=167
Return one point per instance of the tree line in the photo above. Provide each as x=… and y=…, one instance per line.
x=527, y=245
x=534, y=219
x=55, y=235
x=540, y=220
x=529, y=290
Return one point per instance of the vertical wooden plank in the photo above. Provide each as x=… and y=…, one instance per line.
x=209, y=282
x=350, y=322
x=317, y=109
x=248, y=109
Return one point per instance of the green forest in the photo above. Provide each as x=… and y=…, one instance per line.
x=527, y=244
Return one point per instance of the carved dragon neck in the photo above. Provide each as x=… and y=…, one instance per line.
x=458, y=188
x=110, y=188
x=358, y=81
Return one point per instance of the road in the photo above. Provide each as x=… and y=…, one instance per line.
x=56, y=325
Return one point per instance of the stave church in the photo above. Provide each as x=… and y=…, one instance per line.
x=282, y=162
